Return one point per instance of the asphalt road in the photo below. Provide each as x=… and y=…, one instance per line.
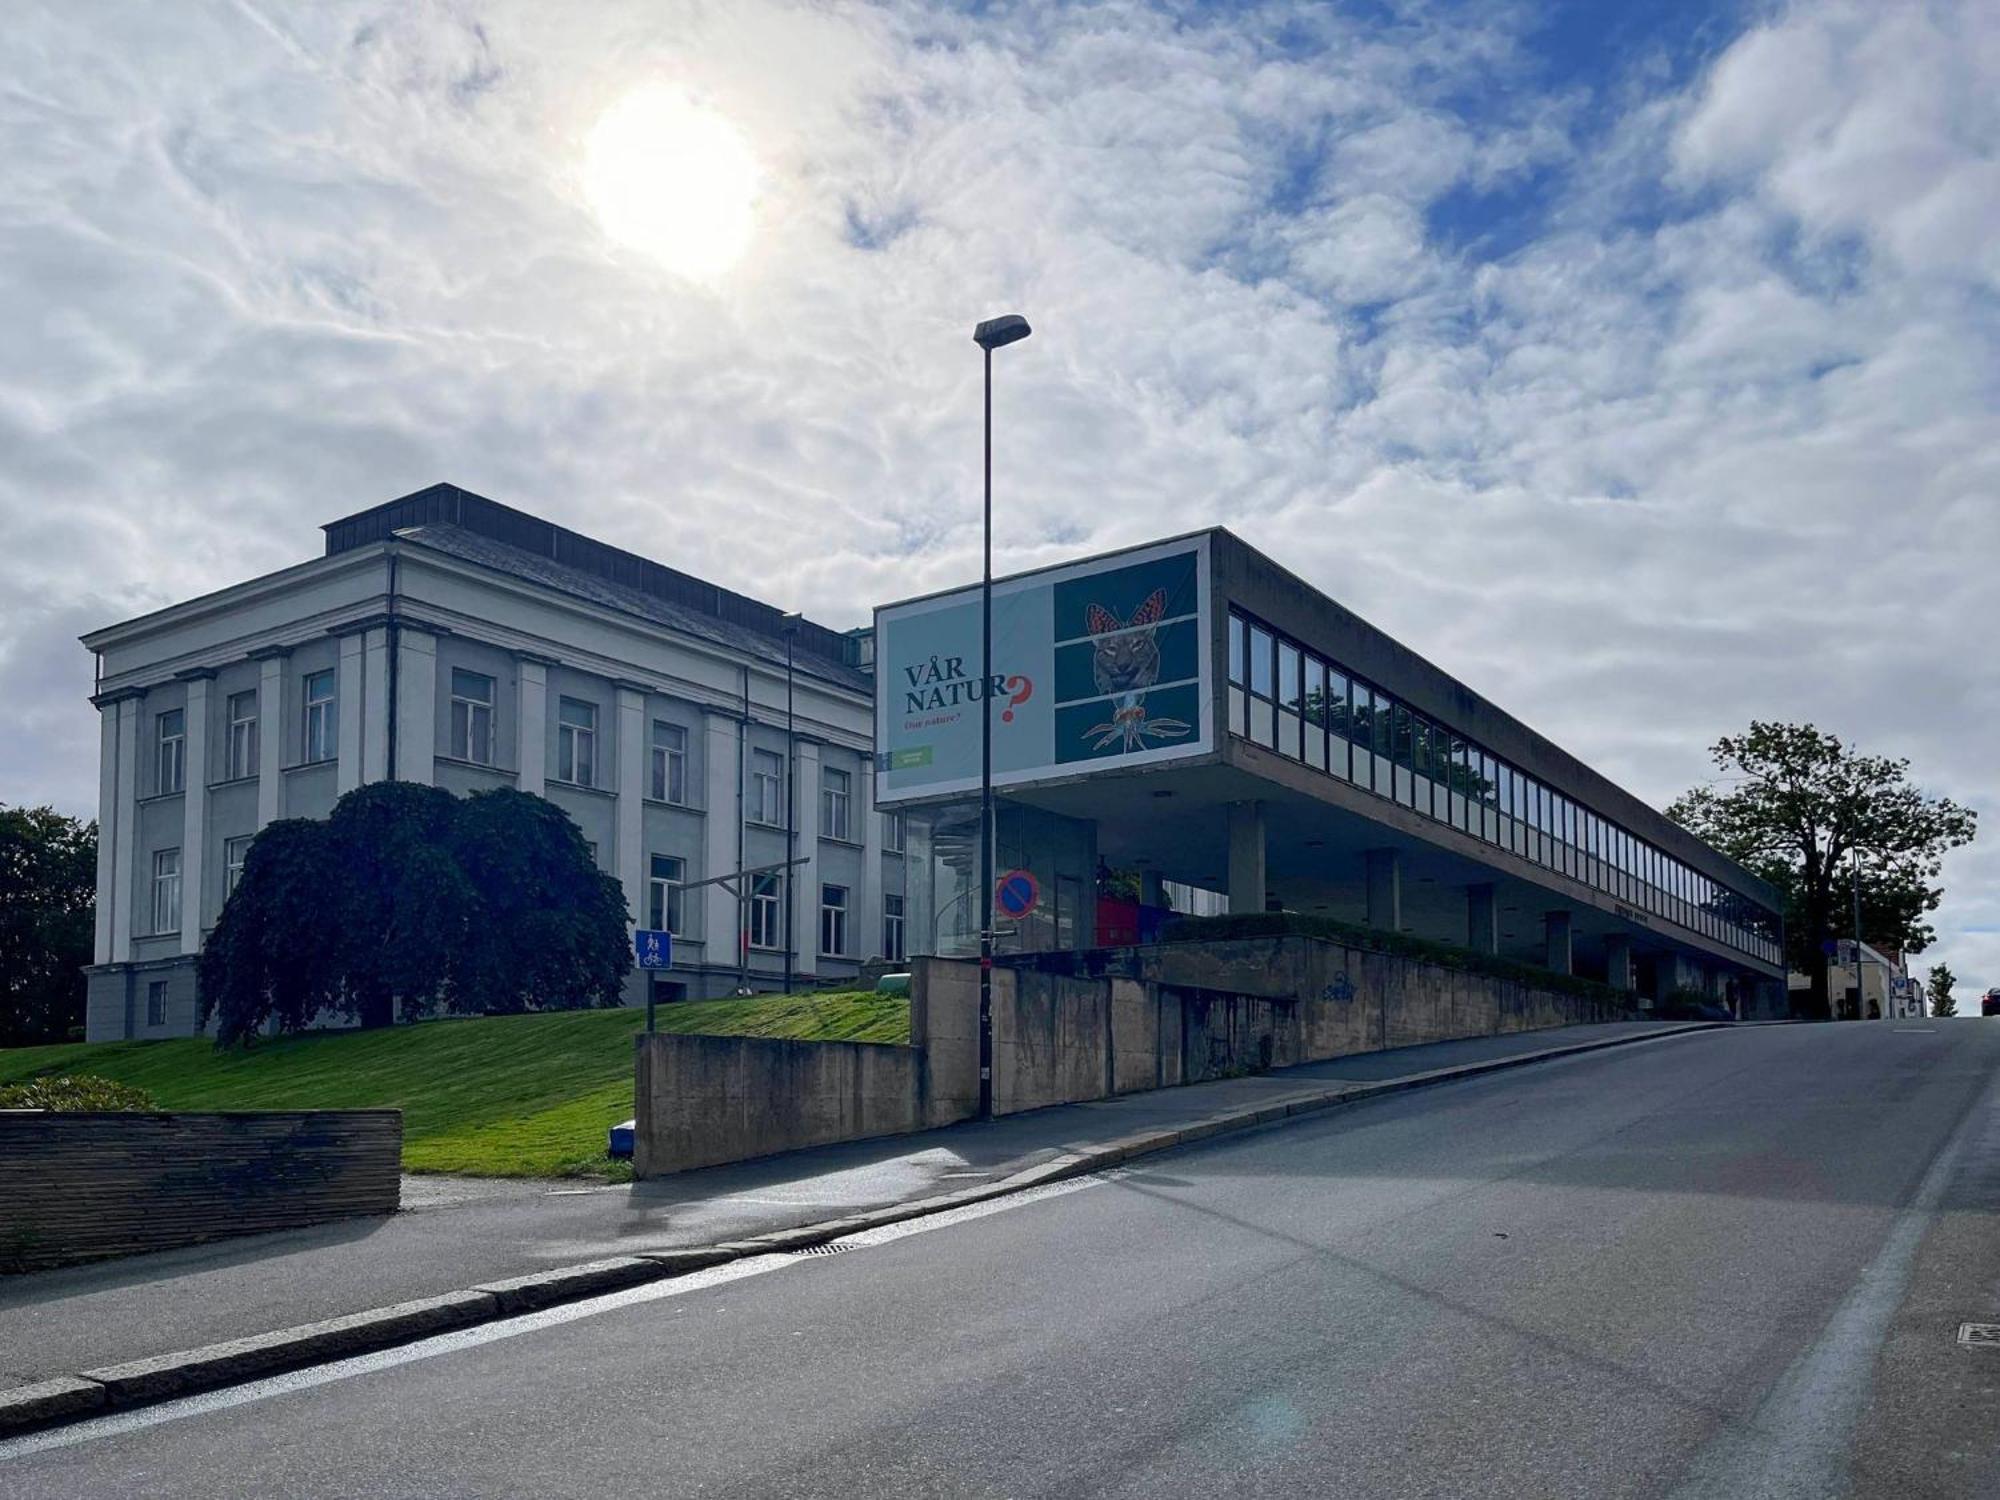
x=1723, y=1265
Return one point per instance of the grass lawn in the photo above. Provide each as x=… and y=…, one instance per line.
x=507, y=1096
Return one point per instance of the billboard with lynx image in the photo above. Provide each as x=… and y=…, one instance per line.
x=1102, y=663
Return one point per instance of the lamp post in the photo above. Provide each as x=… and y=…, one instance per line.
x=994, y=333
x=791, y=627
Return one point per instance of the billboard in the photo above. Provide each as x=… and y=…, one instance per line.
x=1096, y=666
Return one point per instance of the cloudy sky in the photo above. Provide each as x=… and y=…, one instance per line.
x=1635, y=362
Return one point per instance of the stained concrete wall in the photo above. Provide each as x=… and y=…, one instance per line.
x=78, y=1187
x=702, y=1100
x=1069, y=1027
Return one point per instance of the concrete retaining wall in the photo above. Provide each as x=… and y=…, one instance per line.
x=1066, y=1028
x=702, y=1100
x=77, y=1187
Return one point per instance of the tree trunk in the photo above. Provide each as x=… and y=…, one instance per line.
x=1819, y=1000
x=377, y=1008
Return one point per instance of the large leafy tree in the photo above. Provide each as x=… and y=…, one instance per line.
x=1796, y=806
x=409, y=899
x=48, y=905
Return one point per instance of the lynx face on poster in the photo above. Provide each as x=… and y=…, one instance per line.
x=1105, y=663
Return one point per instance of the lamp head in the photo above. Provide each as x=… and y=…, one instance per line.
x=994, y=333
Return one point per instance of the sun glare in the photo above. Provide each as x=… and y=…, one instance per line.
x=672, y=179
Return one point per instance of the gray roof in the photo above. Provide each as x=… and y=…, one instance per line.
x=470, y=546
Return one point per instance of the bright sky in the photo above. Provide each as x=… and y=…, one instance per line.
x=1636, y=363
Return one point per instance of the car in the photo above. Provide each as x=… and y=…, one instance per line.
x=1989, y=1003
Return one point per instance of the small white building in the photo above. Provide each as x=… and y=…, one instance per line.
x=1879, y=987
x=689, y=731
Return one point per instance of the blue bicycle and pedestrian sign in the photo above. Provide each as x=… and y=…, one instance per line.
x=655, y=949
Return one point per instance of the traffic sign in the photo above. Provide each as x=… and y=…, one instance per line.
x=1016, y=893
x=655, y=949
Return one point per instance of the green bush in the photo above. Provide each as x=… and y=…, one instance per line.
x=74, y=1093
x=1374, y=940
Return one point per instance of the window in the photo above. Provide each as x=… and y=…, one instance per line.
x=242, y=756
x=833, y=919
x=670, y=762
x=764, y=910
x=663, y=893
x=576, y=742
x=234, y=853
x=471, y=716
x=156, y=1002
x=167, y=890
x=892, y=832
x=172, y=763
x=835, y=800
x=322, y=731
x=1361, y=730
x=892, y=928
x=1289, y=707
x=767, y=788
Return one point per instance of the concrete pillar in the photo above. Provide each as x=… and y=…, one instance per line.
x=127, y=799
x=416, y=705
x=347, y=689
x=1556, y=934
x=1246, y=857
x=1385, y=889
x=531, y=739
x=270, y=737
x=805, y=877
x=629, y=816
x=1618, y=962
x=374, y=705
x=194, y=810
x=1482, y=919
x=109, y=815
x=722, y=917
x=1152, y=888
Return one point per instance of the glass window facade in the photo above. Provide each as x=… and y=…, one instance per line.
x=1286, y=697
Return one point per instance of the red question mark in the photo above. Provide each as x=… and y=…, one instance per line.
x=1023, y=689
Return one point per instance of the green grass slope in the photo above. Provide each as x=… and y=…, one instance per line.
x=510, y=1096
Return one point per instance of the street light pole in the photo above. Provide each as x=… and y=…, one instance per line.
x=791, y=623
x=993, y=334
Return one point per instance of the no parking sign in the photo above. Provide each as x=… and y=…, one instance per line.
x=1016, y=893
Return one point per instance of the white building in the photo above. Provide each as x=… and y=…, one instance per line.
x=1879, y=987
x=448, y=639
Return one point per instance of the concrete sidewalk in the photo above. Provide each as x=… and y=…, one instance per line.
x=455, y=1234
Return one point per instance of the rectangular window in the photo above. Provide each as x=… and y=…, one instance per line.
x=767, y=788
x=167, y=890
x=1290, y=707
x=472, y=716
x=1261, y=652
x=242, y=756
x=234, y=853
x=156, y=1002
x=892, y=928
x=1403, y=743
x=171, y=765
x=836, y=800
x=1315, y=701
x=576, y=742
x=670, y=762
x=764, y=911
x=663, y=893
x=892, y=832
x=1361, y=732
x=1236, y=650
x=833, y=920
x=321, y=739
x=1385, y=744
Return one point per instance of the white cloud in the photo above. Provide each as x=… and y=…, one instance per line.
x=1715, y=440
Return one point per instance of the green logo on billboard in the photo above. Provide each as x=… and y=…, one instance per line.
x=910, y=759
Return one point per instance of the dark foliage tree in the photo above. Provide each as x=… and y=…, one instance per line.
x=408, y=898
x=276, y=952
x=549, y=928
x=48, y=906
x=1938, y=990
x=1798, y=807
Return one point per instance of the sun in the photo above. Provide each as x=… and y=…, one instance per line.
x=672, y=179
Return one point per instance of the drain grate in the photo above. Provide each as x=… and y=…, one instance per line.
x=1979, y=1335
x=836, y=1248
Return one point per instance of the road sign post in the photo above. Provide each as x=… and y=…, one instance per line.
x=656, y=951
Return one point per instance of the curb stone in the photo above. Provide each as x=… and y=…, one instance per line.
x=161, y=1377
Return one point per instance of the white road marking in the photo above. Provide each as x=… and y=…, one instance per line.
x=119, y=1423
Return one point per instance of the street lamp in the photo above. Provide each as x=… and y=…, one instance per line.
x=994, y=333
x=790, y=623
